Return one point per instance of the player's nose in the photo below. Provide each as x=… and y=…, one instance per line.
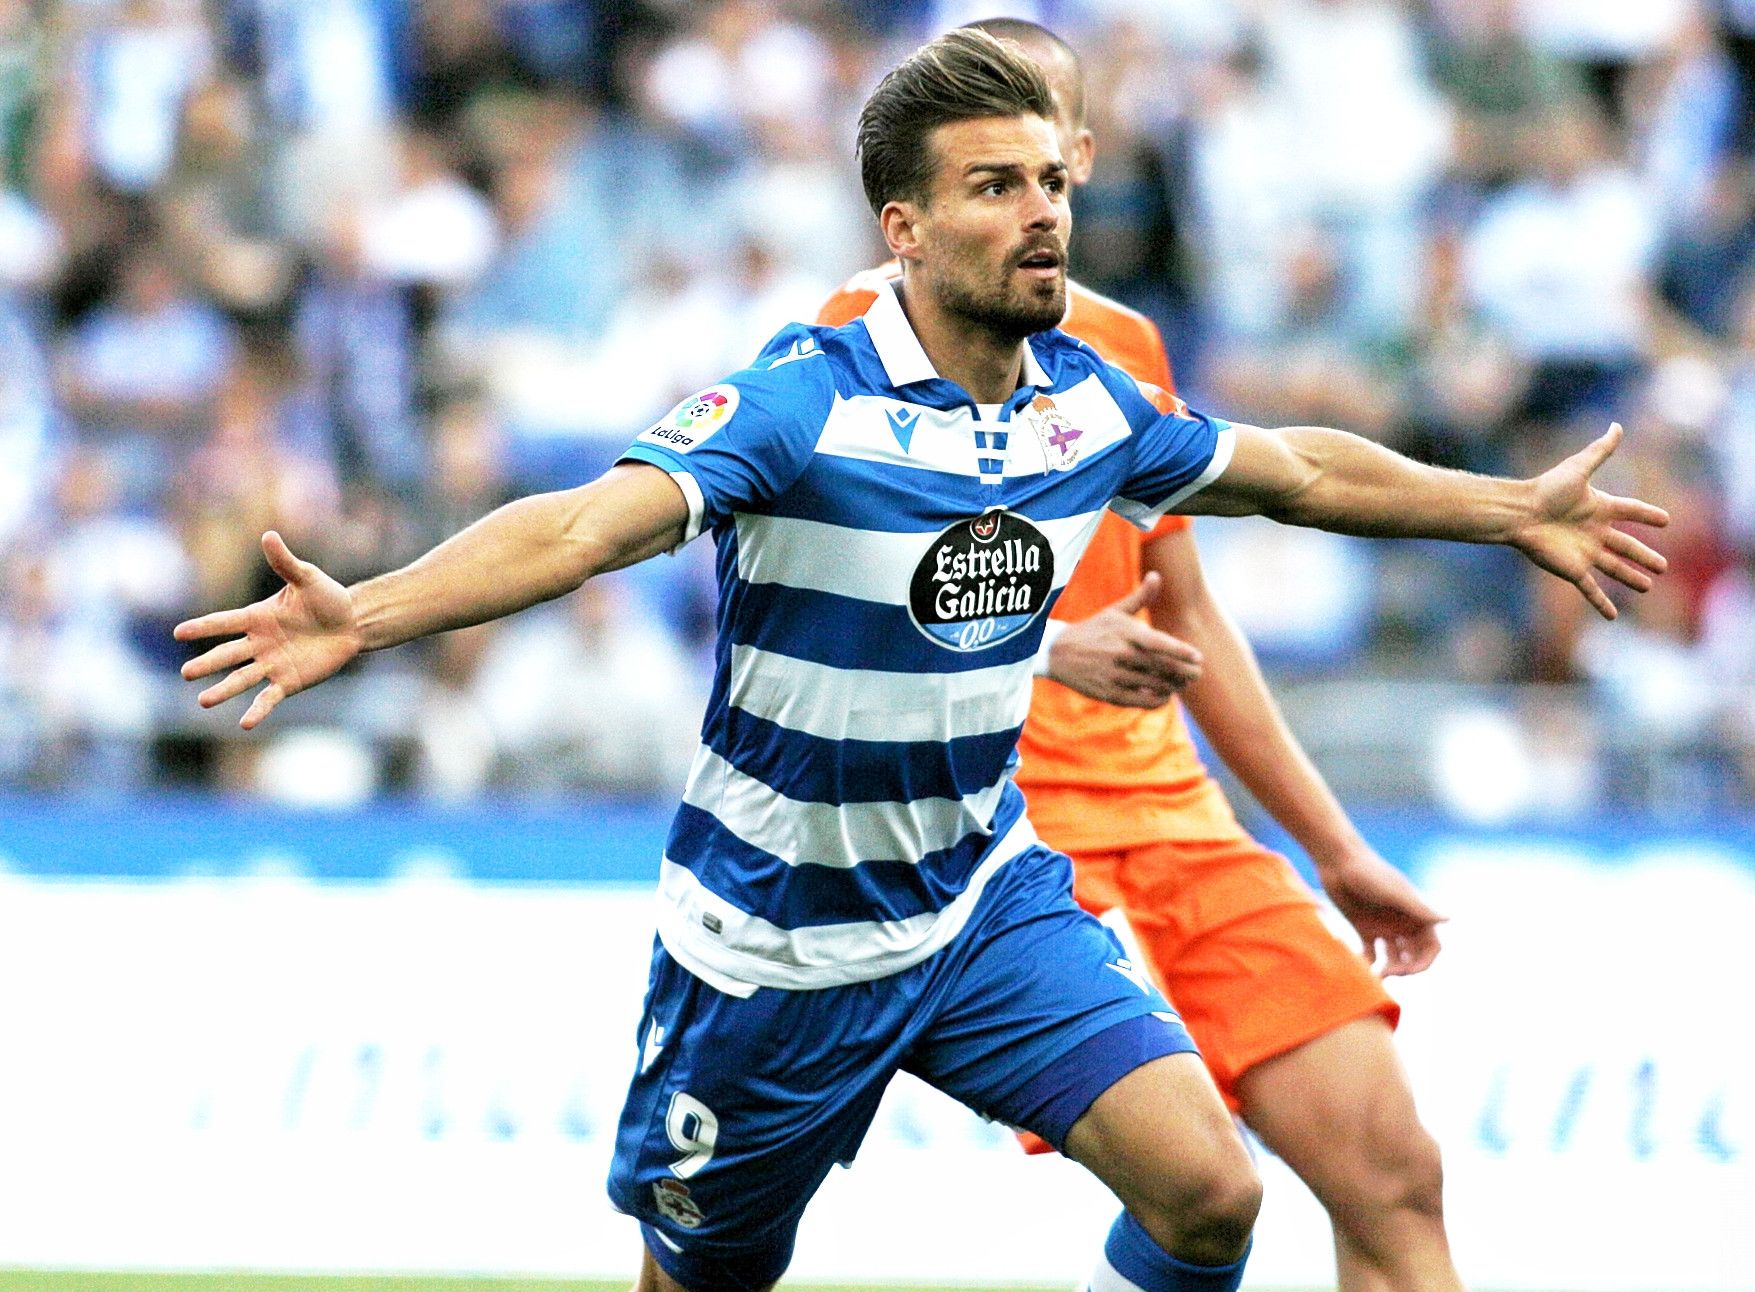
x=1041, y=210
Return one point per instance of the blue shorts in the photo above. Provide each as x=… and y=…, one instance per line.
x=739, y=1106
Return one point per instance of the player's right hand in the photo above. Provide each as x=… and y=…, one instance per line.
x=1116, y=657
x=291, y=640
x=1573, y=533
x=1397, y=928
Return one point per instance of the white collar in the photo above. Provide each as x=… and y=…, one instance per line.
x=899, y=349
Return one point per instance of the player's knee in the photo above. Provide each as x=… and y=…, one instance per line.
x=1207, y=1221
x=1401, y=1173
x=1421, y=1175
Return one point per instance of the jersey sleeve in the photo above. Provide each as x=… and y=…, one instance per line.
x=739, y=444
x=1176, y=451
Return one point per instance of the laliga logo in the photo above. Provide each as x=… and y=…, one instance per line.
x=693, y=420
x=982, y=581
x=708, y=407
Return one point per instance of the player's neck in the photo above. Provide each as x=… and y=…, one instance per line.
x=986, y=364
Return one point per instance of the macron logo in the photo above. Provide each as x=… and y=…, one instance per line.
x=1133, y=973
x=654, y=1044
x=902, y=422
x=805, y=349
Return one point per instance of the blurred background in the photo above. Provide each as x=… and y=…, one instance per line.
x=361, y=270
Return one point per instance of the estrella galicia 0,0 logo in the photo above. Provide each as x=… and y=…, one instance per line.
x=981, y=581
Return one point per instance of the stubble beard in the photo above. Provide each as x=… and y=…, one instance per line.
x=1003, y=310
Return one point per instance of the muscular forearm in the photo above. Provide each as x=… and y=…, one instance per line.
x=527, y=552
x=1308, y=475
x=511, y=559
x=1328, y=479
x=1235, y=709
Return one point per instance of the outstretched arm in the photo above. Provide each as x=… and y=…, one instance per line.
x=529, y=551
x=1309, y=475
x=1235, y=709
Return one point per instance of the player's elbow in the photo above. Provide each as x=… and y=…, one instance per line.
x=1273, y=473
x=1300, y=488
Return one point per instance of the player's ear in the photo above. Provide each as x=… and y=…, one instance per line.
x=899, y=222
x=1082, y=158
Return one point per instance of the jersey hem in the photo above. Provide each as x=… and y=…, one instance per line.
x=689, y=910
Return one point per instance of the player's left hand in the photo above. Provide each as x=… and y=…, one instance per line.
x=1117, y=658
x=1573, y=534
x=1398, y=929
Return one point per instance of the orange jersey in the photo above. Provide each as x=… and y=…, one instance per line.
x=1076, y=752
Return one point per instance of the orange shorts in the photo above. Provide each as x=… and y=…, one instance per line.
x=1232, y=935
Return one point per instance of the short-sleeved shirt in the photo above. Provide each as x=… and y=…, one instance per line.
x=1100, y=776
x=887, y=554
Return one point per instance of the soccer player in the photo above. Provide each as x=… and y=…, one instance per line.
x=851, y=887
x=1294, y=1027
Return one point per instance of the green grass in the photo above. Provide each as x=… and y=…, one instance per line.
x=85, y=1281
x=80, y=1281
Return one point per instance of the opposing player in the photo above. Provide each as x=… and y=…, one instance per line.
x=1294, y=1027
x=851, y=887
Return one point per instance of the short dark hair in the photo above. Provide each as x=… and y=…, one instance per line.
x=1036, y=40
x=962, y=76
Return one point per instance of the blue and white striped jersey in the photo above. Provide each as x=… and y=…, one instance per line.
x=887, y=553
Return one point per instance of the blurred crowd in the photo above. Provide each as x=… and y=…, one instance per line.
x=360, y=270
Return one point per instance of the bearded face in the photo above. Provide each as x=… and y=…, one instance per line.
x=994, y=236
x=1023, y=295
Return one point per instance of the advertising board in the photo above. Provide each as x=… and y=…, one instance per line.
x=240, y=1060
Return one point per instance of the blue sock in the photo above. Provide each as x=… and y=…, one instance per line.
x=1132, y=1262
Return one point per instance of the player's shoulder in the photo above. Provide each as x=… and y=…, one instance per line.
x=1068, y=358
x=805, y=366
x=794, y=367
x=781, y=398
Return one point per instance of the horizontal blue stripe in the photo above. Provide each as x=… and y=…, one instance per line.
x=912, y=500
x=879, y=497
x=843, y=632
x=803, y=896
x=813, y=769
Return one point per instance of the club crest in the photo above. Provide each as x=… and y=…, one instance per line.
x=674, y=1203
x=1060, y=438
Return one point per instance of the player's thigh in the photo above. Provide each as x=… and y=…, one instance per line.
x=1162, y=1139
x=1340, y=1111
x=737, y=1110
x=1246, y=957
x=1040, y=1010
